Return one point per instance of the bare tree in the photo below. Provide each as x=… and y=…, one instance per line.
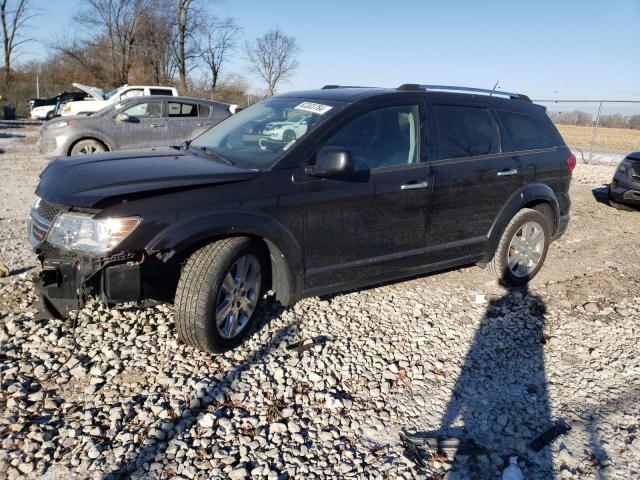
x=272, y=57
x=119, y=21
x=14, y=16
x=154, y=51
x=217, y=40
x=185, y=26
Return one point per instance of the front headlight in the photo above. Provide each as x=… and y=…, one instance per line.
x=624, y=166
x=83, y=233
x=63, y=123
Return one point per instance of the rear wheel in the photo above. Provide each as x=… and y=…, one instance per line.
x=522, y=248
x=87, y=147
x=218, y=293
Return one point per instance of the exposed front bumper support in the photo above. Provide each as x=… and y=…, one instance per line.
x=64, y=284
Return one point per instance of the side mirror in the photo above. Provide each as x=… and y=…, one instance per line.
x=330, y=161
x=122, y=117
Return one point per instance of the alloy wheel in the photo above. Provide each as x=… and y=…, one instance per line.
x=526, y=249
x=238, y=296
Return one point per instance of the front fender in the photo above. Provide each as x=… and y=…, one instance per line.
x=286, y=254
x=535, y=192
x=73, y=138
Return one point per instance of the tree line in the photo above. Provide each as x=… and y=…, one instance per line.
x=182, y=43
x=578, y=117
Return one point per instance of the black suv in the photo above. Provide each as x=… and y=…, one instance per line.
x=305, y=194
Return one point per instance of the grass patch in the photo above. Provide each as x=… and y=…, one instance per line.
x=614, y=138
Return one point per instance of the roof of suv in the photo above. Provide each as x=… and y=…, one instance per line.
x=353, y=94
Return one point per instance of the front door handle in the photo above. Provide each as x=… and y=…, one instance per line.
x=415, y=185
x=508, y=173
x=156, y=125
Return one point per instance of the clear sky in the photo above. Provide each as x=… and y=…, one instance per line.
x=544, y=48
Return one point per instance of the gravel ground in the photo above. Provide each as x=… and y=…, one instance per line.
x=452, y=355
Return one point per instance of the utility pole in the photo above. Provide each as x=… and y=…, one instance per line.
x=37, y=86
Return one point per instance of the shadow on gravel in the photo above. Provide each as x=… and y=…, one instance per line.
x=500, y=403
x=501, y=394
x=11, y=135
x=208, y=400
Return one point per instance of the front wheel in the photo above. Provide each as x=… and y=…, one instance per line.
x=522, y=248
x=87, y=147
x=218, y=292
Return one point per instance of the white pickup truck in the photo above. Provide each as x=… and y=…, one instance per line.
x=98, y=99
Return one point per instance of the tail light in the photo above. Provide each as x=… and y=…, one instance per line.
x=571, y=162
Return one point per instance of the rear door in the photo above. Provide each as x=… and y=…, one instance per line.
x=372, y=222
x=146, y=126
x=182, y=121
x=472, y=178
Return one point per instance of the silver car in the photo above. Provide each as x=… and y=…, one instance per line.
x=141, y=122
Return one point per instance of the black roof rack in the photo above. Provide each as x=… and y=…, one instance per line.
x=328, y=87
x=486, y=91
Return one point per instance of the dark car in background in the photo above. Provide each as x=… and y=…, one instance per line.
x=140, y=122
x=45, y=108
x=379, y=184
x=624, y=192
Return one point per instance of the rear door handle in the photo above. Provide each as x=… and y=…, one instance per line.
x=508, y=173
x=415, y=185
x=156, y=125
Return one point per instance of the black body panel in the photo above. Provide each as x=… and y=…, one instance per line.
x=323, y=235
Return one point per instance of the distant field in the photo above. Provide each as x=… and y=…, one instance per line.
x=614, y=138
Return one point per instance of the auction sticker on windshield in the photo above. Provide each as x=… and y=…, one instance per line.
x=313, y=107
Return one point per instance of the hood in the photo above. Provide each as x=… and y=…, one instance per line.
x=279, y=124
x=634, y=156
x=54, y=121
x=95, y=92
x=84, y=181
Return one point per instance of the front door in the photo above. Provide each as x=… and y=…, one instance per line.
x=145, y=127
x=472, y=179
x=372, y=222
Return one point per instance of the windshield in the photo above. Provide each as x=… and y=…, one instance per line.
x=107, y=96
x=258, y=136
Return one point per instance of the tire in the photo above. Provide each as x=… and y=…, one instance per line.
x=288, y=136
x=206, y=280
x=521, y=225
x=49, y=116
x=619, y=206
x=87, y=147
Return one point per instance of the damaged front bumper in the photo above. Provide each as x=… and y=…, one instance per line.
x=66, y=280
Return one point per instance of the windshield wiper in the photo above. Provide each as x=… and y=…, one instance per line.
x=213, y=153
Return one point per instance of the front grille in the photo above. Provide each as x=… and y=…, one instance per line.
x=42, y=215
x=635, y=170
x=47, y=211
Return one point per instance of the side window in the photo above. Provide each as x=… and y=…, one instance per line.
x=464, y=132
x=526, y=132
x=203, y=110
x=160, y=91
x=384, y=137
x=145, y=110
x=182, y=109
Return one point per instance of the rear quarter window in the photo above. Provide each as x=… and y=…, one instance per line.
x=160, y=91
x=203, y=110
x=463, y=131
x=525, y=131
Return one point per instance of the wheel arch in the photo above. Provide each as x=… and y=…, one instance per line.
x=96, y=138
x=537, y=196
x=285, y=261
